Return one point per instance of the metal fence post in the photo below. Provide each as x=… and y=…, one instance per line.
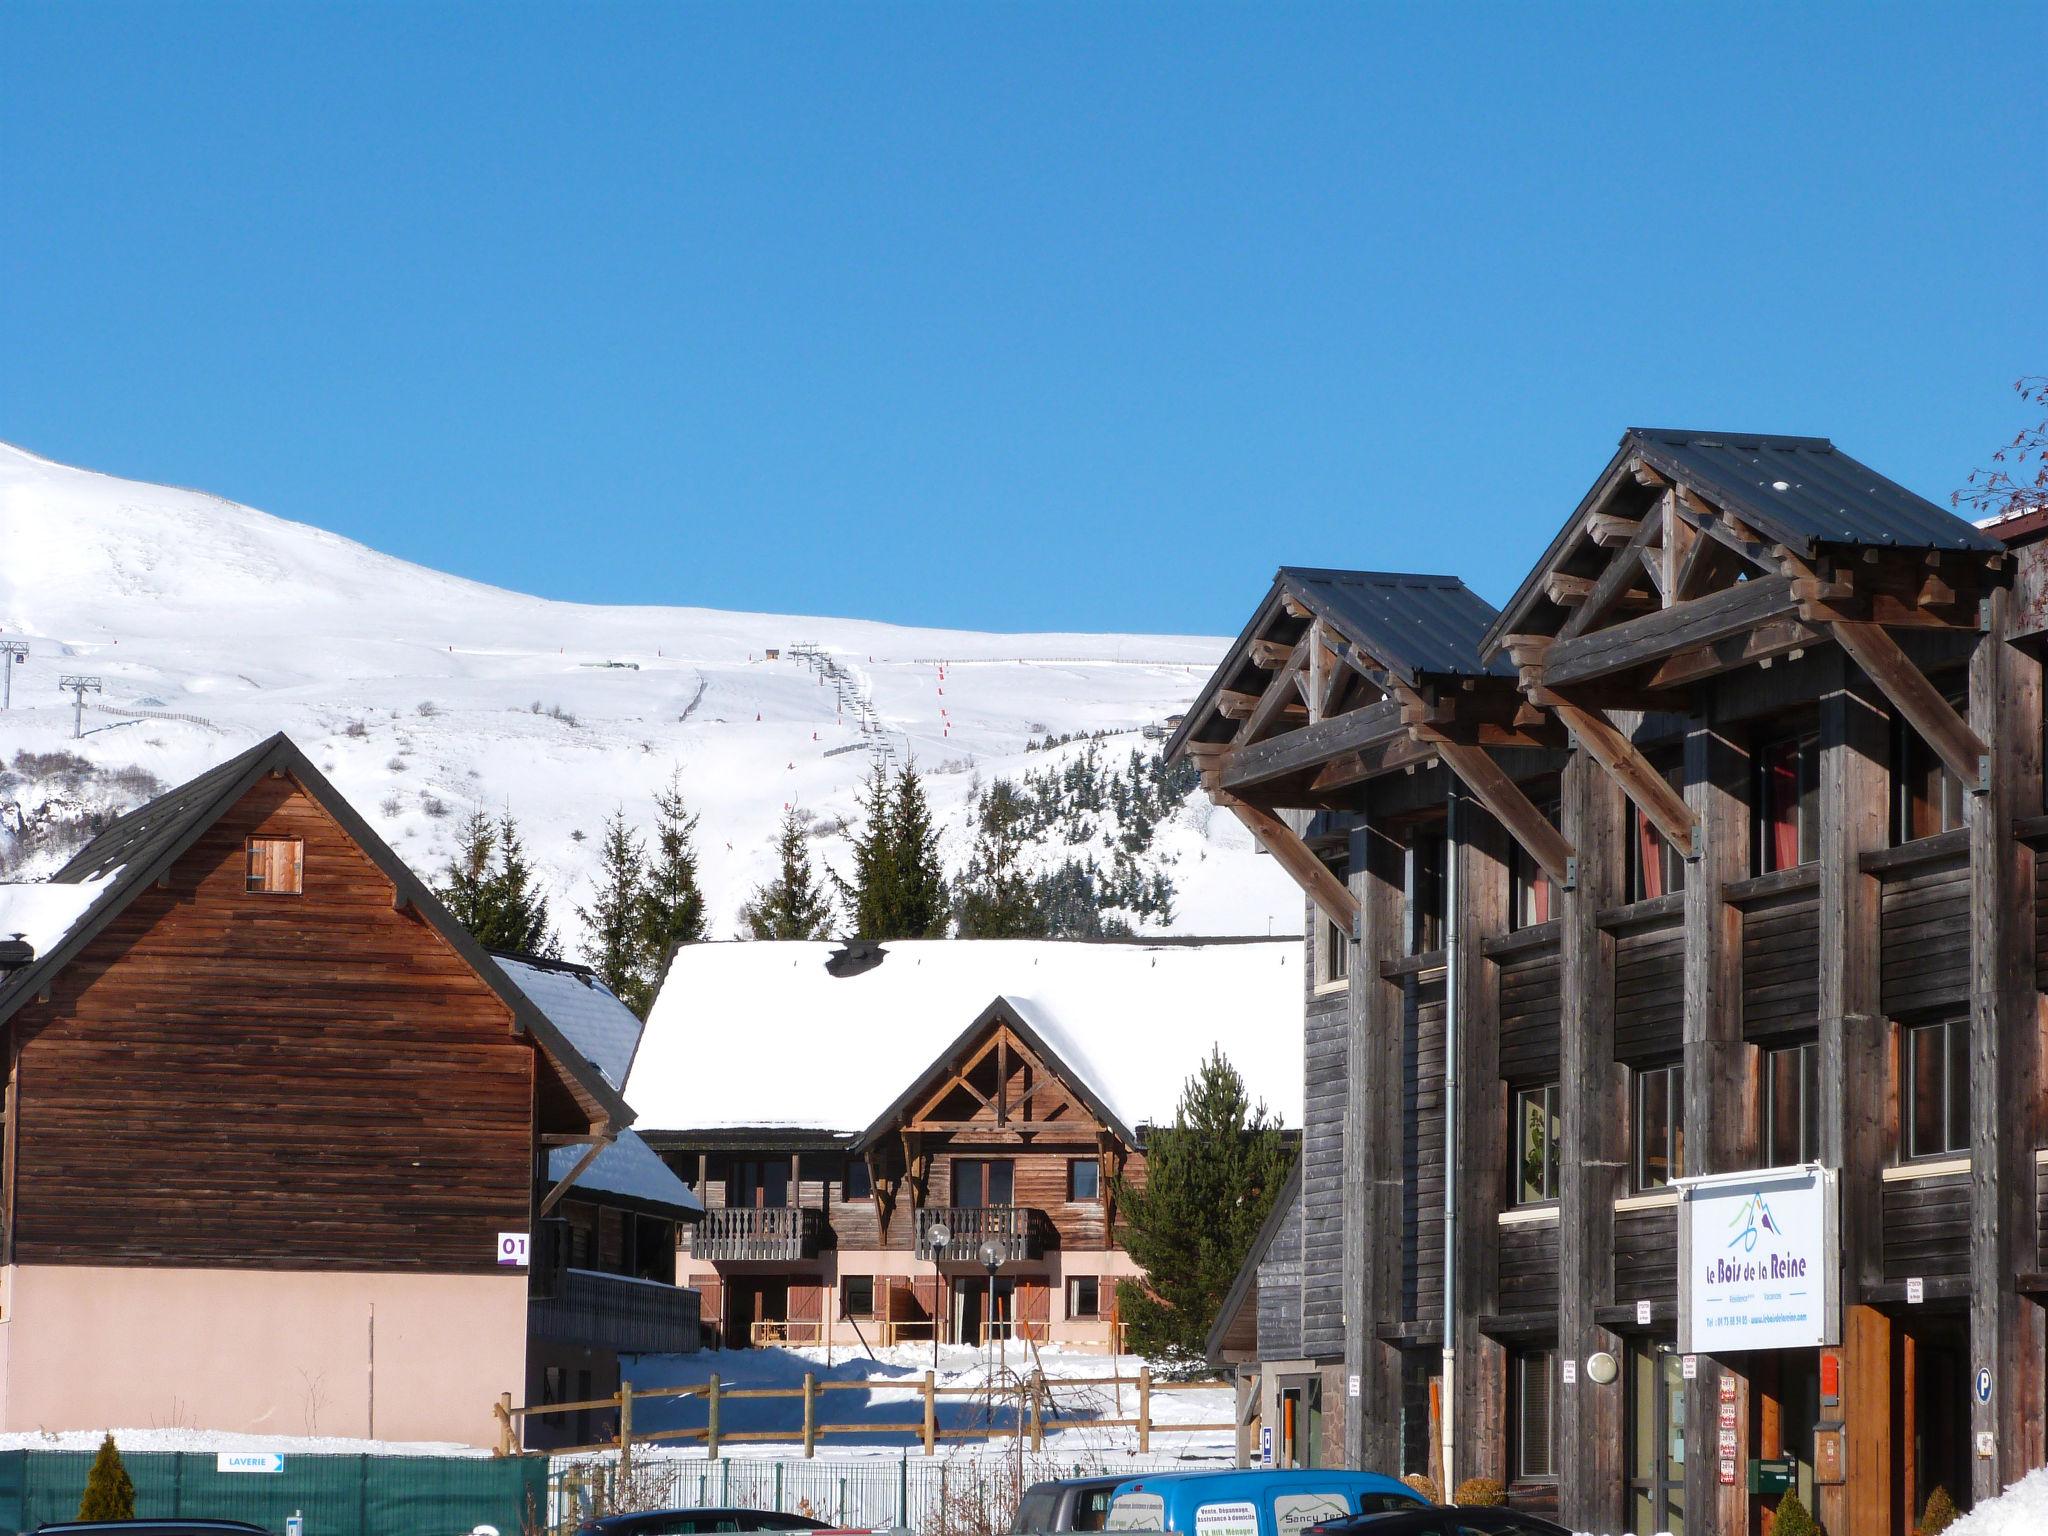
x=778, y=1484
x=903, y=1492
x=724, y=1480
x=1144, y=1409
x=711, y=1420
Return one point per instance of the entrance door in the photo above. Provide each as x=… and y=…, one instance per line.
x=756, y=1311
x=1301, y=1421
x=1936, y=1411
x=1656, y=1434
x=981, y=1303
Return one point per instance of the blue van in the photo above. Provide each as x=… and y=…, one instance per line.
x=1268, y=1502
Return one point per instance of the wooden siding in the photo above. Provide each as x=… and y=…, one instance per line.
x=1927, y=938
x=1322, y=1173
x=1279, y=1302
x=234, y=1079
x=1927, y=1227
x=1422, y=1148
x=1530, y=1005
x=1528, y=1267
x=1649, y=991
x=1781, y=965
x=1646, y=1255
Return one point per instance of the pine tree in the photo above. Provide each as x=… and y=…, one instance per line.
x=615, y=917
x=465, y=884
x=488, y=887
x=672, y=904
x=793, y=905
x=1210, y=1181
x=996, y=896
x=871, y=896
x=109, y=1491
x=921, y=898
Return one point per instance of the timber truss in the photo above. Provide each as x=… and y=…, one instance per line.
x=1675, y=570
x=1344, y=676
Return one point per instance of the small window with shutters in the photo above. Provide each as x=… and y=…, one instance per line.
x=277, y=866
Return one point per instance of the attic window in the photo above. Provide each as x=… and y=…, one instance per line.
x=277, y=866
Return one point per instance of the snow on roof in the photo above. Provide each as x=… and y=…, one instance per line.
x=583, y=1008
x=629, y=1168
x=759, y=1034
x=44, y=913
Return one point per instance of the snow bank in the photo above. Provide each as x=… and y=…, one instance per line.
x=2022, y=1510
x=1134, y=1020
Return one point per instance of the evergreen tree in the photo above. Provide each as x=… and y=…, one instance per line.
x=616, y=916
x=672, y=904
x=109, y=1491
x=871, y=896
x=489, y=888
x=793, y=905
x=996, y=896
x=1210, y=1181
x=921, y=899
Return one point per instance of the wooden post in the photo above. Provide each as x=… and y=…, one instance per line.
x=504, y=1415
x=931, y=1415
x=1144, y=1409
x=810, y=1414
x=711, y=1419
x=625, y=1430
x=1037, y=1385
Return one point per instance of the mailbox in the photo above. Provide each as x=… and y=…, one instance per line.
x=1773, y=1475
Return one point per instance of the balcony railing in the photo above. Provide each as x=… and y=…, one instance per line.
x=618, y=1312
x=1019, y=1228
x=740, y=1233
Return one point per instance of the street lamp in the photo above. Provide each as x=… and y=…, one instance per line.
x=992, y=1256
x=938, y=1236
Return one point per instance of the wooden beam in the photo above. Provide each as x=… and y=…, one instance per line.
x=1311, y=746
x=1565, y=589
x=1642, y=783
x=1329, y=893
x=1270, y=653
x=1610, y=529
x=1668, y=631
x=1278, y=698
x=554, y=1196
x=1619, y=576
x=1961, y=750
x=1512, y=808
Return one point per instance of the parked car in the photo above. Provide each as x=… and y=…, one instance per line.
x=179, y=1527
x=1451, y=1520
x=1066, y=1504
x=1265, y=1502
x=698, y=1522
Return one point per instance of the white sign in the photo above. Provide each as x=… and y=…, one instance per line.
x=1236, y=1517
x=248, y=1461
x=1758, y=1261
x=1642, y=1314
x=1916, y=1291
x=1987, y=1443
x=1689, y=1367
x=1298, y=1511
x=1266, y=1445
x=1571, y=1372
x=512, y=1248
x=1351, y=1385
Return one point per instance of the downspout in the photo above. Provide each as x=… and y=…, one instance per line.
x=1453, y=938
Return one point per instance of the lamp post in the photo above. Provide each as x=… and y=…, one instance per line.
x=938, y=1236
x=992, y=1256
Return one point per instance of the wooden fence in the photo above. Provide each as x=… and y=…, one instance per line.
x=1032, y=1397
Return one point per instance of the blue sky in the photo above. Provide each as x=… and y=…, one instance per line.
x=1001, y=316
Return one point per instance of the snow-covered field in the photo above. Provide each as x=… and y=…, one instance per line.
x=423, y=695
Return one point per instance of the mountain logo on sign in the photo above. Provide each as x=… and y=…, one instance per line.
x=1751, y=1222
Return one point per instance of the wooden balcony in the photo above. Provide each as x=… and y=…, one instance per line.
x=740, y=1233
x=1019, y=1228
x=617, y=1312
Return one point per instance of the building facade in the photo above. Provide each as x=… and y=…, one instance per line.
x=993, y=1092
x=1704, y=868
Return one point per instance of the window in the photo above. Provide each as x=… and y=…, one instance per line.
x=857, y=1185
x=1792, y=1105
x=856, y=1295
x=1084, y=1179
x=1530, y=1374
x=1785, y=798
x=1926, y=797
x=1425, y=890
x=1537, y=1126
x=277, y=866
x=1935, y=1090
x=1533, y=897
x=1333, y=954
x=760, y=1183
x=1660, y=1127
x=1084, y=1296
x=1654, y=866
x=980, y=1181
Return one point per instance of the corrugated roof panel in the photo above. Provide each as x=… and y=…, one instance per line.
x=1804, y=491
x=1413, y=624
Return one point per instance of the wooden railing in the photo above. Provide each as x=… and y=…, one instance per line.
x=757, y=1232
x=1019, y=1228
x=1033, y=1398
x=618, y=1312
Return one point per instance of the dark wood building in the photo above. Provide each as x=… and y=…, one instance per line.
x=1712, y=853
x=272, y=1120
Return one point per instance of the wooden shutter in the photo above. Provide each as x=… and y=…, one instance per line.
x=1034, y=1309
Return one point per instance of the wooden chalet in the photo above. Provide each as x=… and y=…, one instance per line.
x=994, y=1092
x=271, y=1119
x=1707, y=863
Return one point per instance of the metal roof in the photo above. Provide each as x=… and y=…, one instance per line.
x=587, y=1012
x=631, y=1172
x=1410, y=624
x=1803, y=491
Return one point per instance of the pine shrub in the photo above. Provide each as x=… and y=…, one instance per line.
x=1480, y=1490
x=1793, y=1519
x=1940, y=1514
x=109, y=1491
x=1423, y=1484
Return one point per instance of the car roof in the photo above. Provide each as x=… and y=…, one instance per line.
x=144, y=1527
x=1330, y=1475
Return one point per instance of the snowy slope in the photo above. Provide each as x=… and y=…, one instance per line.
x=462, y=694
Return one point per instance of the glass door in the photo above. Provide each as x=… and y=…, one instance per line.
x=1656, y=1434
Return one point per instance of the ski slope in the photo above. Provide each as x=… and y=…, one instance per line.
x=423, y=694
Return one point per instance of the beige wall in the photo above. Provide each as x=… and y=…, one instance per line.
x=263, y=1351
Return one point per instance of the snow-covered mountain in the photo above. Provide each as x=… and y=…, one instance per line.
x=422, y=694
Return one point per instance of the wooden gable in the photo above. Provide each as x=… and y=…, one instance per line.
x=1001, y=1089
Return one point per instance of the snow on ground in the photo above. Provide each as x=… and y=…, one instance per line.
x=2022, y=1510
x=209, y=1441
x=423, y=695
x=1134, y=1021
x=1072, y=1427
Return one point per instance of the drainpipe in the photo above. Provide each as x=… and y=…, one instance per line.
x=1453, y=939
